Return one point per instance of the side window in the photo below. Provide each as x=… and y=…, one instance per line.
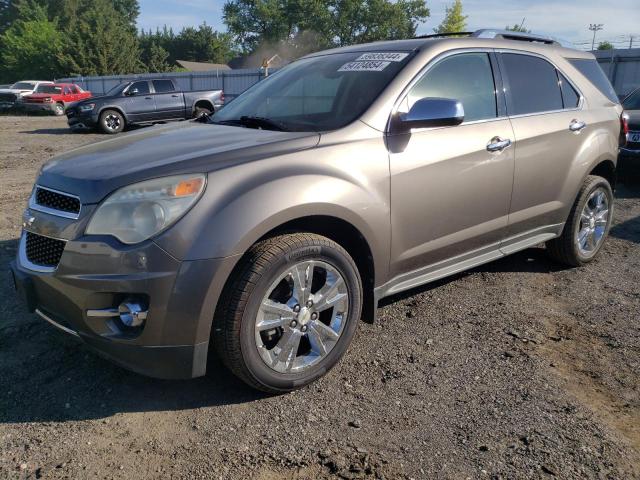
x=67, y=91
x=533, y=84
x=466, y=77
x=570, y=97
x=163, y=86
x=143, y=87
x=591, y=69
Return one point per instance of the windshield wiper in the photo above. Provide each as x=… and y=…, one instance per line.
x=254, y=122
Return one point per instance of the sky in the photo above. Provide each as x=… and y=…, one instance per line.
x=567, y=19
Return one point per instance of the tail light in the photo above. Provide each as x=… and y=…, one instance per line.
x=624, y=128
x=222, y=96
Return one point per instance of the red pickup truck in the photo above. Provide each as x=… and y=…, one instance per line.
x=54, y=98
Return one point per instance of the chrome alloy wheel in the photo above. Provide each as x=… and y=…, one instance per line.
x=302, y=316
x=593, y=223
x=112, y=122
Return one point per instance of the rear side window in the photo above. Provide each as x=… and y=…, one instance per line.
x=466, y=77
x=570, y=97
x=533, y=84
x=590, y=69
x=163, y=86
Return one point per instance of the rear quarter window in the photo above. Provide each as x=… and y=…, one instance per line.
x=590, y=69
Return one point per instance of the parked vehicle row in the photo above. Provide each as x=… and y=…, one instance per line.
x=13, y=95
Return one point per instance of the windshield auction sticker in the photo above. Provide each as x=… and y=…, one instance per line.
x=382, y=56
x=364, y=66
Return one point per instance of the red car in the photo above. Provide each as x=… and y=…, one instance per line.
x=54, y=98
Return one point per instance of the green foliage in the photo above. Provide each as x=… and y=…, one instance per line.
x=517, y=28
x=100, y=42
x=327, y=22
x=30, y=48
x=454, y=20
x=605, y=46
x=156, y=59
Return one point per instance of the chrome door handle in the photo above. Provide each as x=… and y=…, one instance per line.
x=497, y=144
x=576, y=125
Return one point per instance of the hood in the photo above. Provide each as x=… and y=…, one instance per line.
x=634, y=119
x=92, y=99
x=94, y=171
x=15, y=91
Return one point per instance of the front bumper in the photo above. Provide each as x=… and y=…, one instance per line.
x=37, y=107
x=100, y=273
x=81, y=121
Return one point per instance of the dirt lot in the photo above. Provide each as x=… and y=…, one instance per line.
x=518, y=369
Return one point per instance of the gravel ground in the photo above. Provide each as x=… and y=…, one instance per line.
x=518, y=369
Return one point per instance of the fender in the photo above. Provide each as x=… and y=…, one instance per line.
x=244, y=202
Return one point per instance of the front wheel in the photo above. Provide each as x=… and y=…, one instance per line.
x=587, y=226
x=288, y=312
x=58, y=109
x=111, y=121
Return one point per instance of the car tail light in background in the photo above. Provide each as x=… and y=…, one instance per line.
x=222, y=96
x=624, y=128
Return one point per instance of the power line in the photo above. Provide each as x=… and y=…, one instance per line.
x=594, y=27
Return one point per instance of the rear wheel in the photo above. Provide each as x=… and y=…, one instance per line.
x=202, y=110
x=111, y=121
x=288, y=312
x=587, y=226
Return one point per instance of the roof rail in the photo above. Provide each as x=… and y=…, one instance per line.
x=510, y=35
x=502, y=34
x=445, y=34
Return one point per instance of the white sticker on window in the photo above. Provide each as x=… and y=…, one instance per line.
x=364, y=66
x=382, y=56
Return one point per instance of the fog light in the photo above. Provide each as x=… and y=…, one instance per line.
x=132, y=314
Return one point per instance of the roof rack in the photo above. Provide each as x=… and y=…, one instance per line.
x=502, y=34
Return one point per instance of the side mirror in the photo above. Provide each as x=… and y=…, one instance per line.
x=132, y=92
x=432, y=112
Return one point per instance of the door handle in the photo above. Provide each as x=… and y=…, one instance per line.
x=175, y=96
x=148, y=98
x=497, y=144
x=576, y=125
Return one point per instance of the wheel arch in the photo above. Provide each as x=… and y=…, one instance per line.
x=607, y=170
x=202, y=102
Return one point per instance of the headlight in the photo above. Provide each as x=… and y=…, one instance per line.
x=139, y=211
x=88, y=107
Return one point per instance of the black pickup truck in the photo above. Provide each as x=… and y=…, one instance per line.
x=141, y=102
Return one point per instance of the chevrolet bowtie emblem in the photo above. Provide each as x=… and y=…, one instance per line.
x=27, y=219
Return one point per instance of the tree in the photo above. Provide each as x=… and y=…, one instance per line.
x=331, y=22
x=30, y=48
x=605, y=46
x=454, y=20
x=517, y=28
x=100, y=42
x=156, y=59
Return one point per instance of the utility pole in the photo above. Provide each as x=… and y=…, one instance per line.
x=594, y=27
x=630, y=41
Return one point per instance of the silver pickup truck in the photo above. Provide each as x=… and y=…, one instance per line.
x=142, y=102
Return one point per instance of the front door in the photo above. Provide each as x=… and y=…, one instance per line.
x=140, y=104
x=449, y=193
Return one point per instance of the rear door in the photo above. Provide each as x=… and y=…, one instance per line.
x=169, y=102
x=140, y=106
x=548, y=122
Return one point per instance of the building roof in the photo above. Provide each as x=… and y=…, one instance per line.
x=201, y=66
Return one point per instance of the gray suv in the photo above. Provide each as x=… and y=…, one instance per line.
x=265, y=232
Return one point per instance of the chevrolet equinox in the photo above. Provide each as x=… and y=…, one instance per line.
x=265, y=232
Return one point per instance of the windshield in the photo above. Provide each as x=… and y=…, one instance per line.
x=632, y=102
x=23, y=86
x=315, y=94
x=117, y=90
x=48, y=89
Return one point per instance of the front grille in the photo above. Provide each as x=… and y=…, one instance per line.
x=57, y=201
x=43, y=251
x=7, y=97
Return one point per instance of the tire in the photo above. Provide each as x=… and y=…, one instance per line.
x=200, y=111
x=58, y=109
x=111, y=122
x=245, y=345
x=567, y=248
